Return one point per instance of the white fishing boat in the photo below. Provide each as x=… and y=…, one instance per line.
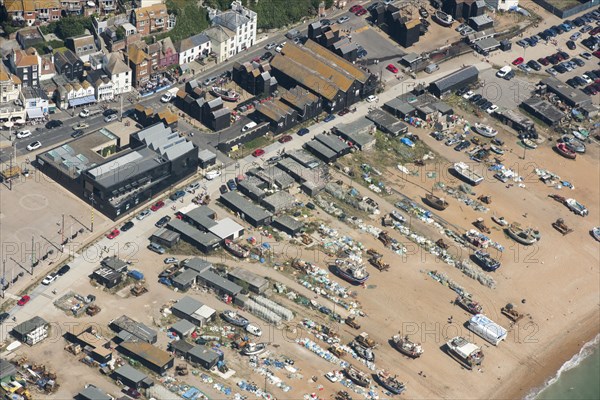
x=596, y=233
x=529, y=143
x=576, y=207
x=465, y=172
x=466, y=353
x=485, y=130
x=442, y=18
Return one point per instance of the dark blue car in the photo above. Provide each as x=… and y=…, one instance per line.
x=231, y=184
x=329, y=118
x=303, y=131
x=177, y=195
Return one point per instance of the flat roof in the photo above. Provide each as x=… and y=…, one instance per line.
x=225, y=228
x=187, y=305
x=186, y=277
x=204, y=353
x=93, y=393
x=248, y=276
x=203, y=238
x=333, y=142
x=387, y=122
x=148, y=352
x=571, y=96
x=280, y=200
x=197, y=264
x=303, y=157
x=399, y=104
x=246, y=206
x=321, y=149
x=487, y=44
x=136, y=328
x=289, y=222
x=130, y=373
x=202, y=215
x=183, y=325
x=447, y=82
x=545, y=108
x=360, y=125
x=220, y=282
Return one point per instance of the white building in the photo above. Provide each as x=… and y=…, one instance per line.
x=31, y=331
x=103, y=89
x=240, y=26
x=10, y=86
x=192, y=48
x=35, y=102
x=119, y=73
x=222, y=42
x=502, y=5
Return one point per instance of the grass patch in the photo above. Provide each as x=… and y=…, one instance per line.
x=184, y=248
x=252, y=145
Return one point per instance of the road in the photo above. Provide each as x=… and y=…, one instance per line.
x=52, y=137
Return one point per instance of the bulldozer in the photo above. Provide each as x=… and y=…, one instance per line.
x=351, y=322
x=337, y=350
x=387, y=220
x=379, y=264
x=479, y=224
x=511, y=312
x=365, y=340
x=560, y=226
x=385, y=238
x=373, y=253
x=138, y=289
x=92, y=310
x=181, y=369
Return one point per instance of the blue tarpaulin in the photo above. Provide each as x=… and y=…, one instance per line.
x=80, y=101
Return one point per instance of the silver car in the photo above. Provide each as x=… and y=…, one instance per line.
x=143, y=215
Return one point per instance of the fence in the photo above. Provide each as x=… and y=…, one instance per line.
x=565, y=13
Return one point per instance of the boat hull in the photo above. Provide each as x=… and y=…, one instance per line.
x=406, y=352
x=225, y=94
x=464, y=175
x=466, y=364
x=436, y=202
x=485, y=131
x=564, y=151
x=514, y=235
x=237, y=321
x=443, y=19
x=390, y=387
x=350, y=278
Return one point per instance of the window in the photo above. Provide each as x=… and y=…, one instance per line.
x=142, y=23
x=35, y=75
x=35, y=67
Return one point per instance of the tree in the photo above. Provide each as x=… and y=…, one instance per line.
x=120, y=33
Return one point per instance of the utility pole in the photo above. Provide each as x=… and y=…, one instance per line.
x=32, y=254
x=62, y=230
x=3, y=280
x=92, y=216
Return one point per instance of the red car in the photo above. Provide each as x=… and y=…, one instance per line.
x=355, y=8
x=23, y=300
x=360, y=12
x=157, y=206
x=285, y=139
x=544, y=61
x=518, y=61
x=597, y=53
x=258, y=152
x=113, y=234
x=392, y=68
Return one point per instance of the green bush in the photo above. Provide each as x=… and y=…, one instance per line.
x=191, y=20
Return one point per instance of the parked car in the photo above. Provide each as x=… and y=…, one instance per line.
x=534, y=65
x=23, y=300
x=163, y=221
x=303, y=131
x=355, y=8
x=329, y=118
x=258, y=152
x=53, y=124
x=286, y=138
x=372, y=98
x=543, y=60
x=81, y=125
x=343, y=19
x=266, y=56
x=4, y=316
x=331, y=377
x=518, y=61
x=23, y=134
x=209, y=81
x=231, y=185
x=587, y=55
x=167, y=97
x=360, y=12
x=524, y=68
x=468, y=95
x=253, y=330
x=280, y=47
x=475, y=98
x=503, y=72
x=571, y=45
x=177, y=195
x=127, y=226
x=491, y=109
x=578, y=61
x=270, y=46
x=50, y=278
x=439, y=136
x=156, y=248
x=63, y=270
x=34, y=146
x=77, y=133
x=143, y=214
x=131, y=392
x=575, y=36
x=465, y=144
x=392, y=68
x=551, y=71
x=113, y=234
x=111, y=118
x=223, y=189
x=171, y=260
x=325, y=22
x=192, y=186
x=157, y=206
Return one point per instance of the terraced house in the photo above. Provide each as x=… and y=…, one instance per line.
x=153, y=19
x=233, y=30
x=32, y=11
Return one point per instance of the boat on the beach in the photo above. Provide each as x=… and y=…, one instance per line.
x=500, y=221
x=581, y=134
x=465, y=172
x=529, y=143
x=225, y=94
x=442, y=18
x=486, y=261
x=485, y=130
x=466, y=353
x=525, y=236
x=496, y=149
x=565, y=151
x=351, y=272
x=398, y=217
x=357, y=376
x=406, y=346
x=576, y=207
x=573, y=144
x=234, y=318
x=390, y=382
x=439, y=203
x=253, y=349
x=596, y=233
x=236, y=249
x=477, y=238
x=487, y=329
x=362, y=351
x=467, y=302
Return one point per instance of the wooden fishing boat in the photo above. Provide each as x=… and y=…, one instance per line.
x=469, y=355
x=485, y=130
x=565, y=151
x=529, y=143
x=390, y=382
x=525, y=236
x=225, y=94
x=236, y=249
x=234, y=318
x=406, y=346
x=442, y=18
x=439, y=203
x=357, y=376
x=466, y=302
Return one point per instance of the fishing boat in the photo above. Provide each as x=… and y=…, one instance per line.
x=496, y=149
x=465, y=172
x=236, y=249
x=573, y=144
x=390, y=382
x=565, y=151
x=406, y=346
x=486, y=261
x=234, y=318
x=466, y=302
x=253, y=349
x=398, y=217
x=477, y=238
x=439, y=203
x=352, y=272
x=225, y=94
x=442, y=18
x=596, y=233
x=581, y=134
x=485, y=130
x=500, y=221
x=525, y=236
x=529, y=143
x=576, y=207
x=357, y=376
x=363, y=352
x=466, y=353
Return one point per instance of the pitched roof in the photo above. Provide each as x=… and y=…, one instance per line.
x=231, y=19
x=148, y=352
x=25, y=58
x=116, y=65
x=29, y=5
x=137, y=55
x=191, y=42
x=29, y=326
x=219, y=33
x=147, y=12
x=5, y=75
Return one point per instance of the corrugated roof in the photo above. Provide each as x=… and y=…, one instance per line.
x=305, y=76
x=337, y=61
x=454, y=78
x=148, y=352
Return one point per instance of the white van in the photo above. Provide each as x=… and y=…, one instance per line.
x=86, y=112
x=248, y=126
x=431, y=68
x=502, y=72
x=210, y=175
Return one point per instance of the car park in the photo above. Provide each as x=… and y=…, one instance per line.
x=177, y=195
x=156, y=248
x=543, y=60
x=586, y=55
x=523, y=43
x=503, y=72
x=525, y=68
x=534, y=65
x=575, y=36
x=77, y=133
x=587, y=79
x=163, y=221
x=34, y=146
x=157, y=206
x=560, y=68
x=285, y=139
x=578, y=61
x=53, y=124
x=303, y=131
x=564, y=55
x=50, y=278
x=23, y=134
x=551, y=71
x=23, y=300
x=392, y=68
x=586, y=28
x=258, y=152
x=113, y=234
x=143, y=214
x=127, y=226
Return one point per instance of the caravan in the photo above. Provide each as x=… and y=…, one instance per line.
x=487, y=329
